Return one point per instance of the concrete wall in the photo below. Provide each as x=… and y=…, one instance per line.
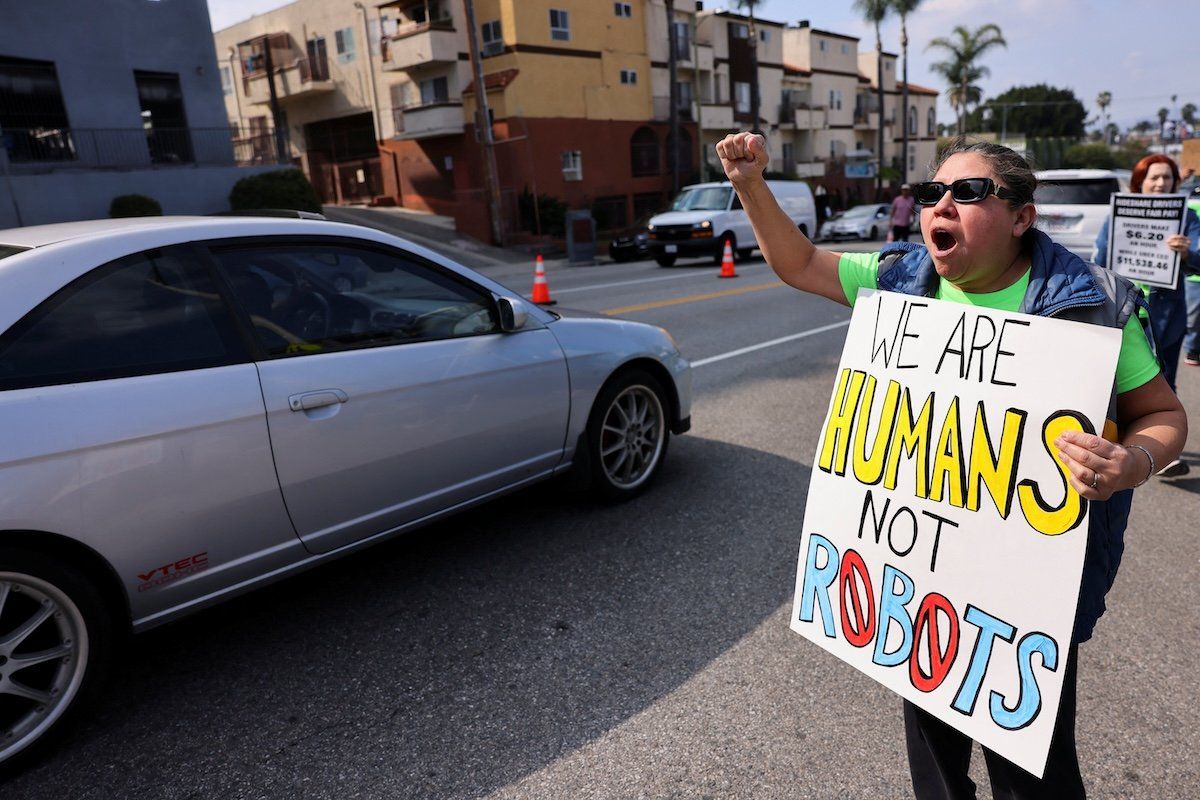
x=85, y=194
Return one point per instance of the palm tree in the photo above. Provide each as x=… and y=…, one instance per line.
x=874, y=11
x=1188, y=113
x=1104, y=100
x=748, y=7
x=904, y=8
x=964, y=49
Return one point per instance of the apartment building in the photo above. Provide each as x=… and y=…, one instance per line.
x=122, y=99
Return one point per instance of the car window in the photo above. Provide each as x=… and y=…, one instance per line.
x=7, y=250
x=314, y=298
x=144, y=314
x=1091, y=192
x=710, y=198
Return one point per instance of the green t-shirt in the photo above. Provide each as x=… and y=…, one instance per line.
x=1135, y=365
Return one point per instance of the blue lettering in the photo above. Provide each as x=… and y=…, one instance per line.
x=891, y=609
x=1030, y=703
x=818, y=578
x=989, y=628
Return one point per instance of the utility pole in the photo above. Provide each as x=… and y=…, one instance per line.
x=276, y=113
x=673, y=96
x=483, y=125
x=701, y=162
x=371, y=72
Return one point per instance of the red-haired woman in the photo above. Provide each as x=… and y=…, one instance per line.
x=1158, y=174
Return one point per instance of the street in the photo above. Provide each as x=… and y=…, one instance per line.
x=546, y=646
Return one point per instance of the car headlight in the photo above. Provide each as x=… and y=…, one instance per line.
x=671, y=338
x=700, y=226
x=641, y=237
x=650, y=227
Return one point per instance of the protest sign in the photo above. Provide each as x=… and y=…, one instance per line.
x=942, y=546
x=1138, y=233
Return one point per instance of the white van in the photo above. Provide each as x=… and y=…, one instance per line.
x=706, y=215
x=1072, y=205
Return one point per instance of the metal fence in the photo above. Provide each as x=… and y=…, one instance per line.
x=139, y=147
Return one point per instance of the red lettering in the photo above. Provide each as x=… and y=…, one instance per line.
x=862, y=631
x=927, y=626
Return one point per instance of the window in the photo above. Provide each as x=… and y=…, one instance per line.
x=629, y=76
x=623, y=10
x=309, y=299
x=821, y=45
x=32, y=115
x=226, y=80
x=560, y=25
x=345, y=45
x=764, y=35
x=845, y=49
x=163, y=117
x=739, y=30
x=741, y=97
x=912, y=121
x=788, y=151
x=434, y=90
x=683, y=44
x=493, y=39
x=145, y=314
x=931, y=122
x=572, y=165
x=686, y=97
x=643, y=153
x=912, y=158
x=839, y=99
x=835, y=99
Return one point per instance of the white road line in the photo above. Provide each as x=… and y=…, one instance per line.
x=781, y=340
x=696, y=274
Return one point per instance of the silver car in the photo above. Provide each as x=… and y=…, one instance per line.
x=194, y=407
x=870, y=222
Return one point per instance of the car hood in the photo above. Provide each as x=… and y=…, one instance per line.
x=682, y=217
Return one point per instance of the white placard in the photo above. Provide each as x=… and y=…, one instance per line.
x=1137, y=237
x=939, y=514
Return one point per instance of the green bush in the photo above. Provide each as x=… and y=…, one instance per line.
x=284, y=188
x=1089, y=156
x=551, y=211
x=134, y=205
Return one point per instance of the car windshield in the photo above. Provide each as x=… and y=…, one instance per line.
x=711, y=198
x=1092, y=192
x=859, y=212
x=7, y=250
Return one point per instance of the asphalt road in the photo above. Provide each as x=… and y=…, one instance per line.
x=545, y=646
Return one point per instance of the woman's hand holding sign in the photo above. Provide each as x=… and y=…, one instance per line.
x=1180, y=244
x=1098, y=467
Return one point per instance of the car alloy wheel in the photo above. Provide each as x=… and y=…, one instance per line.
x=54, y=647
x=628, y=435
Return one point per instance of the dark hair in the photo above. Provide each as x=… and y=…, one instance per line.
x=1010, y=167
x=1141, y=168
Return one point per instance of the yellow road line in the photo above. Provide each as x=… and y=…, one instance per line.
x=693, y=298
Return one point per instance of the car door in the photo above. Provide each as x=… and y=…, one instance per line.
x=133, y=422
x=391, y=395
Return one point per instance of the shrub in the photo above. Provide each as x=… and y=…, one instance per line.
x=134, y=205
x=550, y=210
x=1089, y=156
x=284, y=188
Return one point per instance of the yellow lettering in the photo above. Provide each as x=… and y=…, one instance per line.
x=911, y=436
x=834, y=444
x=1044, y=518
x=997, y=470
x=948, y=461
x=868, y=467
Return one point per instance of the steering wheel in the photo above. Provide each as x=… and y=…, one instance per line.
x=310, y=317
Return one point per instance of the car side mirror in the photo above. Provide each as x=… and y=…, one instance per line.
x=512, y=314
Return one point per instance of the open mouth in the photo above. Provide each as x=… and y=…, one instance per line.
x=943, y=242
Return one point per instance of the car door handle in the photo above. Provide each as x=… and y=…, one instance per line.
x=306, y=401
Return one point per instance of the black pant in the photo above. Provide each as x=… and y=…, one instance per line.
x=900, y=233
x=939, y=757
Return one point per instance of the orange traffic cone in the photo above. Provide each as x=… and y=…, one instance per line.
x=541, y=289
x=727, y=270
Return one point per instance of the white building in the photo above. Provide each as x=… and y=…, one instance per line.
x=122, y=97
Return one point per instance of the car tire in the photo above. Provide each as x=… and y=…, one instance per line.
x=627, y=435
x=804, y=230
x=729, y=239
x=874, y=233
x=745, y=253
x=44, y=699
x=665, y=260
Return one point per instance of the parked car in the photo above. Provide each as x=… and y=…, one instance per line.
x=1072, y=205
x=870, y=221
x=193, y=407
x=631, y=243
x=706, y=216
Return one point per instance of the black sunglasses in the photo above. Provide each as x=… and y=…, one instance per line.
x=963, y=190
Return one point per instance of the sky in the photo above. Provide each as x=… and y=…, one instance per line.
x=1088, y=46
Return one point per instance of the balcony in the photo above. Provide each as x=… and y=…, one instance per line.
x=420, y=44
x=33, y=150
x=301, y=78
x=810, y=169
x=714, y=117
x=866, y=120
x=426, y=121
x=804, y=119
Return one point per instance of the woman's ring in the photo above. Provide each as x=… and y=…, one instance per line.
x=1095, y=479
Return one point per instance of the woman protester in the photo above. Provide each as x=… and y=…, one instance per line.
x=1168, y=312
x=980, y=247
